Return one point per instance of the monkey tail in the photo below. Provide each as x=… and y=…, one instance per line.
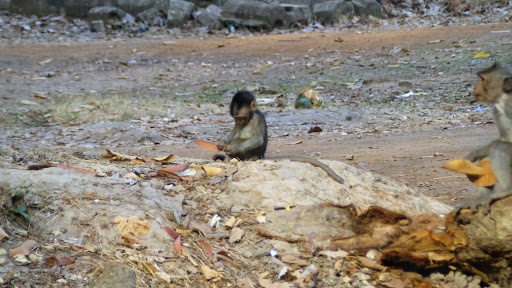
x=315, y=163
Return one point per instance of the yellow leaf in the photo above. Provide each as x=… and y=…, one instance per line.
x=211, y=170
x=166, y=159
x=118, y=156
x=464, y=166
x=482, y=55
x=288, y=208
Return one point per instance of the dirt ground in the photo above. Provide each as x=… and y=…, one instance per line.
x=396, y=102
x=179, y=88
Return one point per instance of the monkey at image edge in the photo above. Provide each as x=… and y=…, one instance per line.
x=495, y=87
x=249, y=138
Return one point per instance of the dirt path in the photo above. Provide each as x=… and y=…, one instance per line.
x=169, y=70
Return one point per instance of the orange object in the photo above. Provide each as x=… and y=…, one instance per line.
x=481, y=174
x=210, y=146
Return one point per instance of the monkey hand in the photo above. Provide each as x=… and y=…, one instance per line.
x=229, y=149
x=220, y=145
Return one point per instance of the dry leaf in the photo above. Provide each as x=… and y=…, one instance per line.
x=488, y=179
x=481, y=55
x=209, y=273
x=311, y=95
x=210, y=146
x=130, y=240
x=209, y=251
x=171, y=232
x=177, y=245
x=163, y=172
x=225, y=254
x=464, y=166
x=236, y=235
x=166, y=159
x=132, y=225
x=2, y=233
x=211, y=170
x=132, y=176
x=176, y=168
x=23, y=249
x=201, y=227
x=290, y=259
x=114, y=156
x=230, y=223
x=78, y=170
x=434, y=41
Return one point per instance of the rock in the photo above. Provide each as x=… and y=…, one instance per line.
x=116, y=275
x=367, y=8
x=5, y=4
x=106, y=13
x=308, y=3
x=179, y=12
x=254, y=14
x=330, y=12
x=97, y=26
x=219, y=3
x=298, y=13
x=209, y=17
x=152, y=16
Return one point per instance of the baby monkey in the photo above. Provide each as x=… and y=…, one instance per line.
x=249, y=138
x=495, y=86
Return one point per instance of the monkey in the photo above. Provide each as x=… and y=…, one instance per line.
x=495, y=86
x=249, y=138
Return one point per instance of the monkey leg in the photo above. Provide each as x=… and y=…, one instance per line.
x=484, y=200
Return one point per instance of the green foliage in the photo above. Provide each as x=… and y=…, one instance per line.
x=303, y=103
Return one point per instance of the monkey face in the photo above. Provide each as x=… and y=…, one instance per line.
x=242, y=115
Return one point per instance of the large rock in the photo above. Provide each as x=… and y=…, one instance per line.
x=106, y=13
x=209, y=17
x=330, y=12
x=152, y=16
x=254, y=14
x=367, y=8
x=298, y=13
x=179, y=12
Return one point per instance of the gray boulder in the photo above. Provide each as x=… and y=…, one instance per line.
x=209, y=17
x=179, y=12
x=152, y=16
x=106, y=13
x=254, y=14
x=97, y=26
x=219, y=3
x=300, y=14
x=330, y=12
x=367, y=8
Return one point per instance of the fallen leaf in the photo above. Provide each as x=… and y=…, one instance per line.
x=290, y=259
x=171, y=232
x=225, y=254
x=230, y=223
x=2, y=233
x=132, y=176
x=76, y=169
x=177, y=245
x=488, y=179
x=434, y=41
x=209, y=273
x=163, y=172
x=130, y=240
x=114, y=156
x=211, y=170
x=294, y=143
x=334, y=254
x=23, y=249
x=176, y=168
x=312, y=95
x=481, y=55
x=166, y=159
x=236, y=235
x=45, y=61
x=132, y=225
x=209, y=251
x=201, y=227
x=210, y=146
x=464, y=166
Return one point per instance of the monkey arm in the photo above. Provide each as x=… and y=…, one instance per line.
x=252, y=143
x=479, y=153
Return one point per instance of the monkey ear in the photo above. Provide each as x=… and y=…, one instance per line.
x=507, y=85
x=254, y=106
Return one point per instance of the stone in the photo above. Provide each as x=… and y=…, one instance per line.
x=152, y=16
x=330, y=12
x=106, y=13
x=97, y=26
x=255, y=15
x=179, y=12
x=116, y=275
x=367, y=8
x=298, y=13
x=209, y=17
